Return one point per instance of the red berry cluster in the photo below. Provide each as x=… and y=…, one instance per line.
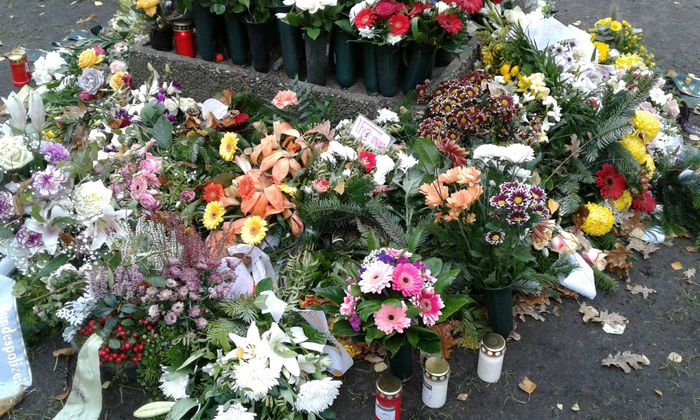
x=89, y=330
x=131, y=343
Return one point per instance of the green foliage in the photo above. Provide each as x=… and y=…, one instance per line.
x=300, y=275
x=603, y=281
x=242, y=308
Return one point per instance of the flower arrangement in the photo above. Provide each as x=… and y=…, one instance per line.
x=314, y=17
x=620, y=44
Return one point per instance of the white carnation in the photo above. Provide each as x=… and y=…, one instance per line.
x=387, y=116
x=487, y=152
x=316, y=396
x=14, y=153
x=254, y=378
x=235, y=412
x=90, y=199
x=384, y=165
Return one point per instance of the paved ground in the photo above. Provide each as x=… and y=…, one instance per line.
x=562, y=355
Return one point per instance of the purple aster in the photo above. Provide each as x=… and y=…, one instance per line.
x=195, y=312
x=498, y=201
x=519, y=198
x=201, y=323
x=518, y=218
x=48, y=183
x=355, y=322
x=7, y=206
x=542, y=210
x=495, y=237
x=54, y=152
x=29, y=239
x=170, y=318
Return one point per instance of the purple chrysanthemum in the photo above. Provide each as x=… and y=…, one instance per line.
x=7, y=207
x=498, y=201
x=495, y=237
x=507, y=187
x=518, y=218
x=519, y=198
x=49, y=182
x=538, y=194
x=54, y=152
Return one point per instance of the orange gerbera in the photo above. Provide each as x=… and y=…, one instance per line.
x=213, y=192
x=435, y=193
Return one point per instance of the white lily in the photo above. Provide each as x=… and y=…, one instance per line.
x=106, y=228
x=49, y=231
x=36, y=111
x=15, y=107
x=246, y=346
x=271, y=304
x=275, y=349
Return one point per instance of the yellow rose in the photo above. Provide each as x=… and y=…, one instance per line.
x=148, y=6
x=117, y=81
x=615, y=26
x=89, y=58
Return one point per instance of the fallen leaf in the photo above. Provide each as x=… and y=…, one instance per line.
x=66, y=352
x=87, y=18
x=611, y=318
x=575, y=408
x=691, y=249
x=659, y=393
x=674, y=357
x=617, y=260
x=448, y=338
x=535, y=311
x=617, y=329
x=463, y=396
x=62, y=396
x=637, y=289
x=527, y=385
x=626, y=361
x=380, y=367
x=373, y=358
x=515, y=336
x=588, y=312
x=106, y=384
x=560, y=406
x=644, y=248
x=677, y=265
x=689, y=273
x=574, y=147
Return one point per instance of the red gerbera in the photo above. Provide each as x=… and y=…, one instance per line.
x=451, y=23
x=365, y=18
x=456, y=153
x=399, y=24
x=213, y=192
x=470, y=6
x=369, y=160
x=611, y=183
x=418, y=8
x=644, y=202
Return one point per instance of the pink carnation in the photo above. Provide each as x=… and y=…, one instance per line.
x=407, y=279
x=430, y=304
x=151, y=164
x=391, y=318
x=321, y=185
x=285, y=98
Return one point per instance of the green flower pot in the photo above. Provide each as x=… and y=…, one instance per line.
x=388, y=64
x=237, y=39
x=369, y=67
x=344, y=54
x=259, y=40
x=317, y=54
x=161, y=39
x=499, y=306
x=290, y=45
x=419, y=65
x=205, y=23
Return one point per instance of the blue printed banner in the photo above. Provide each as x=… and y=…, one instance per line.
x=15, y=374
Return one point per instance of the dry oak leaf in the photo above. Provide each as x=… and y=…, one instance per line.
x=611, y=318
x=463, y=396
x=617, y=261
x=66, y=352
x=589, y=312
x=637, y=289
x=626, y=361
x=527, y=385
x=644, y=248
x=535, y=311
x=691, y=249
x=574, y=147
x=447, y=337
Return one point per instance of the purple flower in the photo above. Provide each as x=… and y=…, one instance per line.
x=123, y=116
x=538, y=194
x=149, y=202
x=201, y=323
x=7, y=206
x=355, y=322
x=170, y=318
x=495, y=237
x=187, y=196
x=48, y=183
x=507, y=187
x=29, y=239
x=177, y=308
x=518, y=218
x=154, y=311
x=542, y=210
x=129, y=283
x=54, y=152
x=161, y=97
x=85, y=96
x=498, y=201
x=388, y=259
x=97, y=283
x=519, y=198
x=91, y=81
x=195, y=312
x=165, y=294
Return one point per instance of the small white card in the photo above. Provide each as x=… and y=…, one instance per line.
x=370, y=133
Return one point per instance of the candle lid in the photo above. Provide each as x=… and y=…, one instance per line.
x=437, y=366
x=493, y=343
x=16, y=56
x=389, y=384
x=182, y=25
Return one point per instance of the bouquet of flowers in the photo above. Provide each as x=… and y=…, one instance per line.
x=619, y=41
x=379, y=22
x=155, y=12
x=442, y=24
x=314, y=17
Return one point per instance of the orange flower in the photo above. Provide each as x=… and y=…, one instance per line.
x=468, y=176
x=213, y=192
x=245, y=187
x=280, y=150
x=450, y=177
x=462, y=199
x=260, y=196
x=434, y=193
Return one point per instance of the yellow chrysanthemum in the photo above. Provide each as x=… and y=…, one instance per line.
x=604, y=22
x=116, y=82
x=89, y=58
x=603, y=51
x=253, y=230
x=647, y=163
x=148, y=6
x=635, y=146
x=290, y=191
x=228, y=147
x=626, y=24
x=599, y=221
x=628, y=61
x=646, y=124
x=487, y=57
x=615, y=26
x=624, y=202
x=213, y=215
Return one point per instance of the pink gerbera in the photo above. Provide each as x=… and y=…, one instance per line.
x=376, y=277
x=407, y=279
x=430, y=305
x=392, y=318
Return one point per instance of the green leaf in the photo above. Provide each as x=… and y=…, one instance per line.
x=129, y=308
x=52, y=266
x=196, y=355
x=435, y=265
x=156, y=281
x=428, y=154
x=127, y=322
x=394, y=343
x=367, y=308
x=372, y=241
x=414, y=238
x=181, y=408
x=114, y=344
x=263, y=285
x=163, y=132
x=452, y=305
x=150, y=113
x=334, y=294
x=342, y=328
x=444, y=280
x=153, y=409
x=313, y=33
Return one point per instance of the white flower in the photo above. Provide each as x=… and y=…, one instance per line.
x=367, y=33
x=234, y=412
x=117, y=65
x=273, y=347
x=311, y=6
x=347, y=172
x=174, y=384
x=36, y=111
x=316, y=396
x=271, y=304
x=518, y=153
x=354, y=10
x=90, y=199
x=254, y=378
x=336, y=148
x=47, y=67
x=406, y=162
x=105, y=229
x=387, y=116
x=384, y=165
x=658, y=96
x=248, y=344
x=18, y=114
x=14, y=153
x=171, y=106
x=393, y=39
x=487, y=152
x=187, y=104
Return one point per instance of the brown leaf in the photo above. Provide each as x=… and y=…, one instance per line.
x=617, y=260
x=574, y=147
x=63, y=396
x=463, y=396
x=533, y=300
x=589, y=312
x=87, y=18
x=535, y=311
x=637, y=289
x=677, y=265
x=66, y=352
x=447, y=337
x=611, y=318
x=626, y=361
x=691, y=249
x=579, y=217
x=642, y=247
x=527, y=385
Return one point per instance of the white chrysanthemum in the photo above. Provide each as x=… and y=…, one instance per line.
x=174, y=384
x=384, y=165
x=658, y=96
x=367, y=33
x=406, y=162
x=90, y=198
x=487, y=152
x=387, y=116
x=14, y=153
x=316, y=396
x=254, y=378
x=235, y=412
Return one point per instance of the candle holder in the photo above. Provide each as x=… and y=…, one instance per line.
x=388, y=395
x=492, y=350
x=435, y=380
x=184, y=37
x=19, y=65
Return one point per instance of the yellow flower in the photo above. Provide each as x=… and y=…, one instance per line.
x=627, y=61
x=213, y=215
x=604, y=22
x=646, y=124
x=487, y=57
x=89, y=58
x=624, y=202
x=50, y=135
x=117, y=80
x=253, y=230
x=626, y=24
x=505, y=72
x=648, y=165
x=603, y=51
x=599, y=221
x=228, y=147
x=615, y=26
x=290, y=191
x=148, y=6
x=593, y=37
x=635, y=146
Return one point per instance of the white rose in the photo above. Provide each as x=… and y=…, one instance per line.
x=14, y=153
x=311, y=6
x=90, y=198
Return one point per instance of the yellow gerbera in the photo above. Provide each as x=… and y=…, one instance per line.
x=603, y=51
x=628, y=61
x=615, y=26
x=635, y=146
x=646, y=124
x=148, y=6
x=213, y=215
x=290, y=191
x=253, y=230
x=89, y=58
x=228, y=147
x=599, y=221
x=624, y=202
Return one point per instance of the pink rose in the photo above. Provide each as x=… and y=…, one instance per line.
x=86, y=96
x=149, y=202
x=672, y=108
x=385, y=9
x=596, y=258
x=98, y=50
x=285, y=98
x=321, y=185
x=151, y=164
x=564, y=243
x=117, y=65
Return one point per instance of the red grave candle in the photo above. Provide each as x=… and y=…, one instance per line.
x=184, y=37
x=19, y=65
x=388, y=398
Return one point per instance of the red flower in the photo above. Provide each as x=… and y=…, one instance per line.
x=611, y=183
x=399, y=24
x=450, y=23
x=213, y=192
x=470, y=6
x=369, y=160
x=456, y=153
x=240, y=118
x=418, y=8
x=385, y=9
x=644, y=202
x=365, y=18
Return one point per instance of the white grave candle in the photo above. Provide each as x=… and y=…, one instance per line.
x=492, y=349
x=435, y=378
